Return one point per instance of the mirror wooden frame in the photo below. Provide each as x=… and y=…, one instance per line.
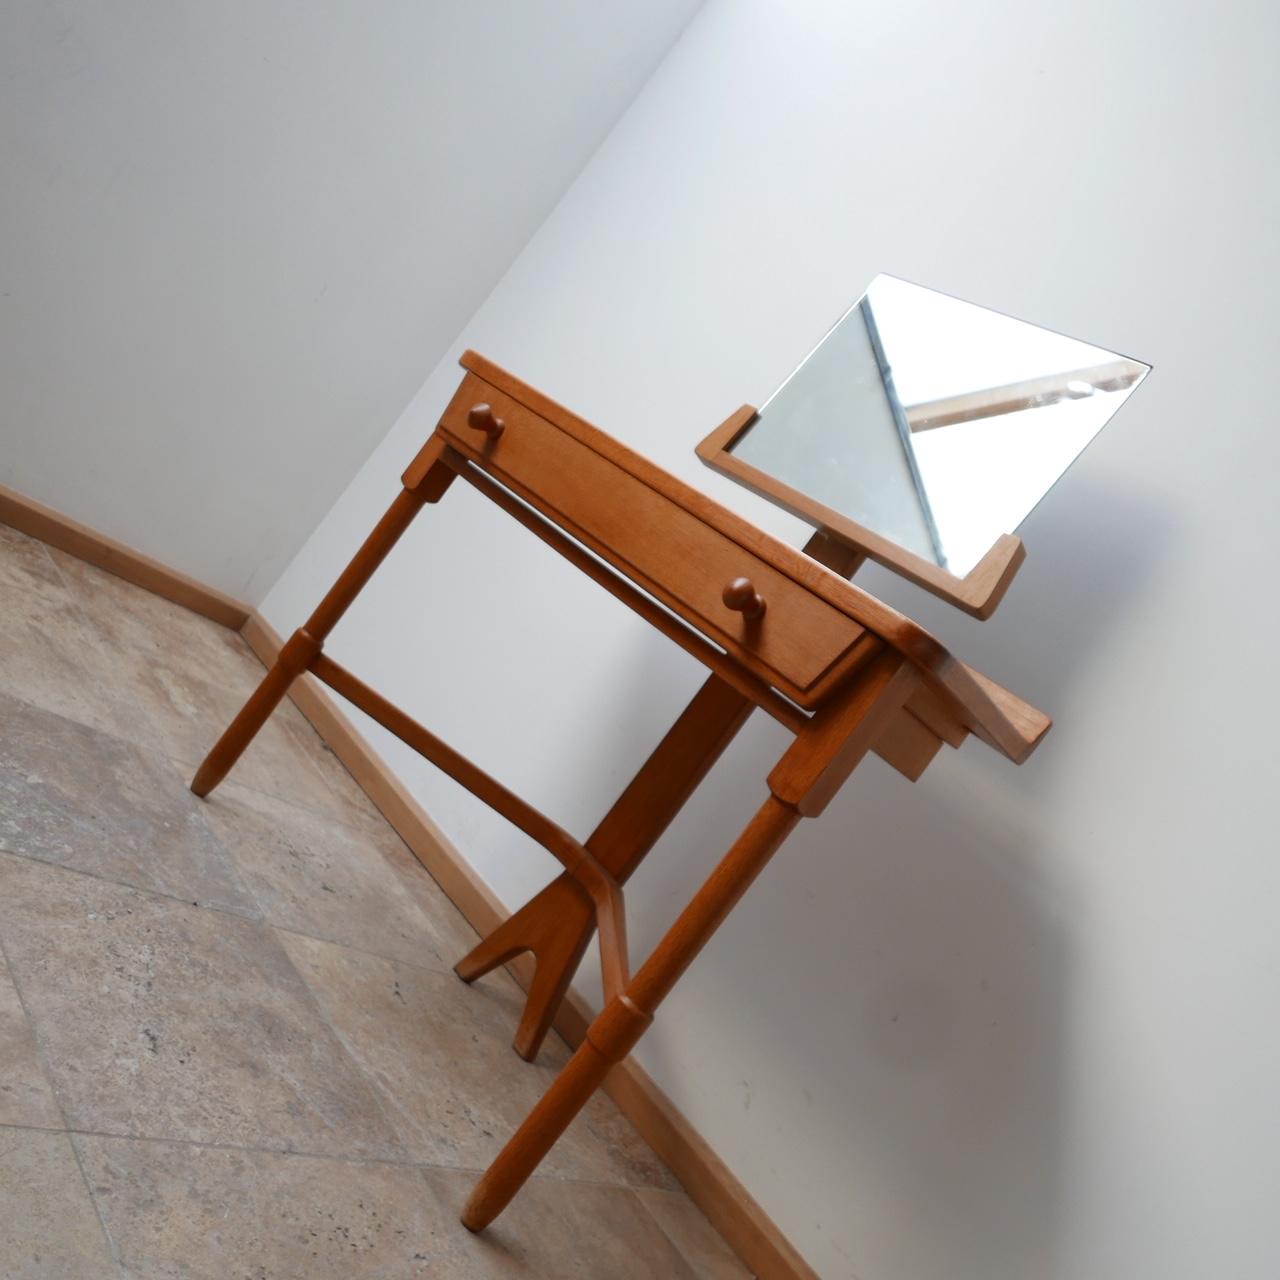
x=978, y=593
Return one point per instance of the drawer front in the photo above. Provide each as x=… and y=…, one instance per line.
x=799, y=642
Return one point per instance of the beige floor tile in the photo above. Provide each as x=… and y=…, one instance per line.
x=25, y=1095
x=170, y=680
x=160, y=1019
x=457, y=935
x=187, y=714
x=82, y=799
x=208, y=1213
x=556, y=1230
x=698, y=1241
x=441, y=1053
x=340, y=794
x=180, y=714
x=43, y=641
x=312, y=875
x=29, y=580
x=48, y=1227
x=137, y=621
x=204, y=1213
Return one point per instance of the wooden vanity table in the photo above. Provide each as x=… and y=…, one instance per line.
x=779, y=629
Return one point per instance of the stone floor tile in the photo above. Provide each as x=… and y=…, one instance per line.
x=312, y=875
x=168, y=679
x=441, y=1053
x=180, y=714
x=556, y=1230
x=457, y=935
x=159, y=1019
x=43, y=641
x=341, y=795
x=134, y=620
x=25, y=1095
x=48, y=1227
x=698, y=1241
x=286, y=757
x=74, y=796
x=202, y=1213
x=209, y=1213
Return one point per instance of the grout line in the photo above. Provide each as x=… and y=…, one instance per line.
x=381, y=1099
x=427, y=1166
x=97, y=1208
x=263, y=919
x=32, y=1128
x=35, y=1039
x=443, y=970
x=57, y=1102
x=134, y=888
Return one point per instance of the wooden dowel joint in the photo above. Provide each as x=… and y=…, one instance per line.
x=299, y=651
x=618, y=1028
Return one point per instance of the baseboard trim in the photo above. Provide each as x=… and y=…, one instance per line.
x=61, y=531
x=745, y=1226
x=740, y=1220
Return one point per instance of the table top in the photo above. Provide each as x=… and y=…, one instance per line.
x=686, y=551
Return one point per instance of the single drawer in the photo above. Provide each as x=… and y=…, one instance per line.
x=800, y=644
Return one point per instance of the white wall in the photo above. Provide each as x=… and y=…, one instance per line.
x=1008, y=1023
x=235, y=237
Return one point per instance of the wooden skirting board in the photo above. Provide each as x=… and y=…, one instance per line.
x=710, y=1184
x=46, y=524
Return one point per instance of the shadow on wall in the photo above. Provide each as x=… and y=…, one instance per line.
x=1088, y=561
x=908, y=1027
x=1090, y=553
x=901, y=977
x=917, y=1000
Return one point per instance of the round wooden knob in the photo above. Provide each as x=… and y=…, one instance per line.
x=742, y=597
x=482, y=418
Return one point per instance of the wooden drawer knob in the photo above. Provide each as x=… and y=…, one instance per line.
x=482, y=418
x=742, y=597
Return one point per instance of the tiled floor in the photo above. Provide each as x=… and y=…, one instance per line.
x=230, y=1042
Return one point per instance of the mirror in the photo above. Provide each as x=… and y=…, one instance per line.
x=934, y=423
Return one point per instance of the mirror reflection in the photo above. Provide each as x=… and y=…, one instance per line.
x=933, y=422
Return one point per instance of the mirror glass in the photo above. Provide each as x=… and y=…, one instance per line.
x=933, y=422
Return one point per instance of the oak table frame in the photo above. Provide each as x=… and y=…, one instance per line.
x=779, y=629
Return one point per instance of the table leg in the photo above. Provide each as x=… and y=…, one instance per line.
x=301, y=648
x=557, y=923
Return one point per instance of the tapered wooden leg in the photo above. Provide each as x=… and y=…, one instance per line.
x=290, y=662
x=556, y=926
x=557, y=923
x=581, y=1077
x=305, y=643
x=625, y=1018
